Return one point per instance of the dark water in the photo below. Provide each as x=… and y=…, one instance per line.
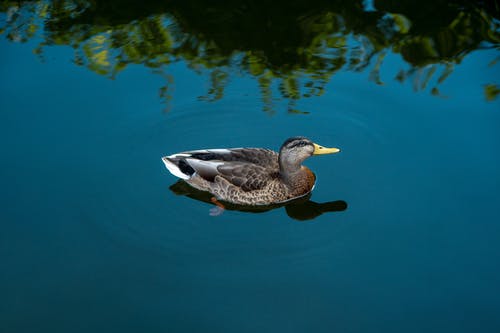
x=93, y=239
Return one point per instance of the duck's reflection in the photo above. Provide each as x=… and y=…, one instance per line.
x=302, y=209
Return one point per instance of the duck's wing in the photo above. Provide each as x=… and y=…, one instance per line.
x=247, y=176
x=259, y=156
x=178, y=166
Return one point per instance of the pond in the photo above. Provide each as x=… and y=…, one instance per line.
x=401, y=233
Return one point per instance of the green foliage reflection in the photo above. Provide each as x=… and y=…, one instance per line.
x=291, y=48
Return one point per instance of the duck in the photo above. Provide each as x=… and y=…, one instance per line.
x=250, y=176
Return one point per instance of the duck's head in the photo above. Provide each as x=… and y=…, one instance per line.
x=295, y=150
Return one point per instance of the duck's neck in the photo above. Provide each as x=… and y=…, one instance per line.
x=290, y=172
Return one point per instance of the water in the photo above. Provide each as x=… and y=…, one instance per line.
x=93, y=239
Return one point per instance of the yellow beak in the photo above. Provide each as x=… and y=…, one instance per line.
x=320, y=150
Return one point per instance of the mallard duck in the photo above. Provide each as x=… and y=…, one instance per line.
x=250, y=176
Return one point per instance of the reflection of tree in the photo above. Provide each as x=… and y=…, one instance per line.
x=292, y=48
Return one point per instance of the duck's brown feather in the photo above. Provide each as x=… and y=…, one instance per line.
x=247, y=176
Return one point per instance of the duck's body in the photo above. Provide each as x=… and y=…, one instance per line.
x=249, y=176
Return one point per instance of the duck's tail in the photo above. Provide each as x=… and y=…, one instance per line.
x=204, y=162
x=178, y=166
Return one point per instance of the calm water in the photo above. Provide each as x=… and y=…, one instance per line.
x=93, y=240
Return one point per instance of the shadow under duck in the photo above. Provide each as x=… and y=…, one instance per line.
x=250, y=176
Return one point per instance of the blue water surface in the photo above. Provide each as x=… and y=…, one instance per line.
x=93, y=240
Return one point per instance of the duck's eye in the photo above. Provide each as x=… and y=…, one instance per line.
x=298, y=144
